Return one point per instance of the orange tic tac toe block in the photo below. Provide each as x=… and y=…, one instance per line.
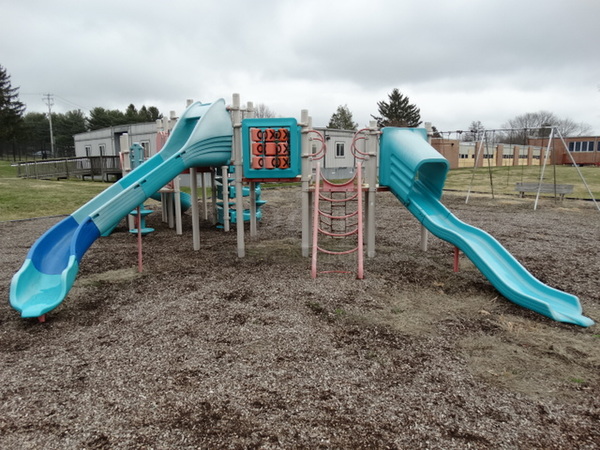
x=257, y=163
x=258, y=148
x=271, y=148
x=271, y=135
x=270, y=162
x=256, y=134
x=283, y=148
x=283, y=134
x=283, y=162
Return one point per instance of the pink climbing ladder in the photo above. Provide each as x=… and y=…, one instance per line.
x=348, y=193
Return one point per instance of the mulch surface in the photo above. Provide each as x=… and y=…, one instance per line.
x=208, y=350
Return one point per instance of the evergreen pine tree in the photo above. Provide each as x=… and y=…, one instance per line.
x=11, y=109
x=398, y=112
x=342, y=119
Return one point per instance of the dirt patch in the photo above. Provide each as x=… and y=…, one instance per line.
x=206, y=350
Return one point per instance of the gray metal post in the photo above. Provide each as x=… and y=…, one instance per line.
x=195, y=212
x=225, y=194
x=253, y=220
x=177, y=205
x=236, y=117
x=371, y=178
x=213, y=185
x=305, y=178
x=424, y=232
x=204, y=202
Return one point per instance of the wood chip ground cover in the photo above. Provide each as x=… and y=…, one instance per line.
x=206, y=350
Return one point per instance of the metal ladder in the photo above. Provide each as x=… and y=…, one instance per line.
x=324, y=194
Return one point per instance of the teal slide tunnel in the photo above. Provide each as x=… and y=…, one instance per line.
x=202, y=137
x=415, y=173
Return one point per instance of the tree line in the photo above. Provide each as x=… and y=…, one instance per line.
x=25, y=135
x=397, y=111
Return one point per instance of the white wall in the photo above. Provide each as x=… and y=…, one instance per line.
x=108, y=139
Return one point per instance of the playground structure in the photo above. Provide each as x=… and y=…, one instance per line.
x=277, y=150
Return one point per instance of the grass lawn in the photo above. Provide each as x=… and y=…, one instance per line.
x=504, y=179
x=26, y=198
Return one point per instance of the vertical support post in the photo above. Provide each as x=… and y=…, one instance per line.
x=253, y=219
x=371, y=177
x=203, y=187
x=477, y=154
x=424, y=232
x=456, y=265
x=171, y=209
x=126, y=168
x=236, y=117
x=195, y=212
x=587, y=186
x=315, y=227
x=424, y=238
x=139, y=239
x=165, y=207
x=225, y=195
x=305, y=179
x=213, y=185
x=177, y=205
x=545, y=156
x=360, y=273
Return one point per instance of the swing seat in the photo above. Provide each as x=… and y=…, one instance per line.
x=545, y=188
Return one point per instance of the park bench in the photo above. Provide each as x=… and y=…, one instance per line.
x=544, y=188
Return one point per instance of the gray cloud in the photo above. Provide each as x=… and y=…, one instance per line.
x=458, y=61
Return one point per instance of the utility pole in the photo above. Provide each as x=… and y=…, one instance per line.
x=48, y=98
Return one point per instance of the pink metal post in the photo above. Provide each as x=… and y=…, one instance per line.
x=456, y=259
x=139, y=239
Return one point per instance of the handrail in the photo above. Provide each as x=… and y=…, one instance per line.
x=69, y=167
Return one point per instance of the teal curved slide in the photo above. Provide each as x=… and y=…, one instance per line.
x=202, y=137
x=185, y=199
x=415, y=172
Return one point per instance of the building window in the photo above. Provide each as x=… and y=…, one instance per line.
x=581, y=146
x=102, y=149
x=88, y=150
x=339, y=150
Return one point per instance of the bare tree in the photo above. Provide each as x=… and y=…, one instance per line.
x=475, y=132
x=538, y=124
x=568, y=127
x=262, y=111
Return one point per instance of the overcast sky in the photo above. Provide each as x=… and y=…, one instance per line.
x=457, y=60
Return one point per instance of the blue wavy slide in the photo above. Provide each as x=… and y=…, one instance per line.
x=202, y=137
x=415, y=172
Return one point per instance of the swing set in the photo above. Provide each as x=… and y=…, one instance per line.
x=488, y=148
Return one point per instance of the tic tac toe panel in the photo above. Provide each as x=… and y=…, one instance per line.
x=271, y=148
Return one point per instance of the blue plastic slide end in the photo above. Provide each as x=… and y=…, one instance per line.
x=51, y=267
x=34, y=293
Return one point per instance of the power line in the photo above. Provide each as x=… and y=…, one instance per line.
x=62, y=99
x=72, y=103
